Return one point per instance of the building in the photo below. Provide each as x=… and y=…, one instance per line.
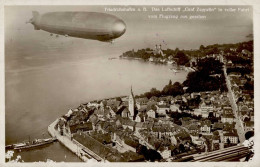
x=158, y=50
x=162, y=109
x=151, y=113
x=175, y=107
x=233, y=138
x=205, y=126
x=249, y=126
x=141, y=102
x=131, y=104
x=228, y=118
x=196, y=139
x=165, y=152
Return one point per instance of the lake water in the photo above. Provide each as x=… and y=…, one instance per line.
x=39, y=91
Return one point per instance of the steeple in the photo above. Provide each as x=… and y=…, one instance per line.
x=131, y=103
x=132, y=91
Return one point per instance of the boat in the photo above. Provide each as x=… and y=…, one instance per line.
x=9, y=147
x=111, y=58
x=174, y=70
x=35, y=143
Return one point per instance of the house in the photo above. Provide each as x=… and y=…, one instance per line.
x=100, y=112
x=175, y=107
x=162, y=102
x=193, y=128
x=217, y=126
x=130, y=143
x=83, y=127
x=151, y=113
x=185, y=121
x=228, y=127
x=92, y=104
x=125, y=113
x=173, y=140
x=113, y=103
x=196, y=139
x=243, y=108
x=249, y=126
x=195, y=94
x=165, y=152
x=127, y=123
x=140, y=117
x=118, y=136
x=205, y=127
x=162, y=109
x=141, y=102
x=233, y=137
x=139, y=125
x=206, y=107
x=230, y=118
x=197, y=112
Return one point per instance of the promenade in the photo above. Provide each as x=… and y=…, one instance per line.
x=82, y=152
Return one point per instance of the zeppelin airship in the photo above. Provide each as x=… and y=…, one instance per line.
x=88, y=25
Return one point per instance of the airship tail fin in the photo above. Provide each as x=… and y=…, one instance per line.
x=35, y=16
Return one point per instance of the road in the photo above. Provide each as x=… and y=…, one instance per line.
x=239, y=125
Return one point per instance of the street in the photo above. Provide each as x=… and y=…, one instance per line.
x=239, y=125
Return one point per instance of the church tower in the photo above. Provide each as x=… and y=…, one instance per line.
x=131, y=104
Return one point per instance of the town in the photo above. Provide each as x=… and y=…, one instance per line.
x=212, y=110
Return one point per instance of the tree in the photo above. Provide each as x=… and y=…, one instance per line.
x=170, y=82
x=202, y=47
x=249, y=134
x=118, y=99
x=153, y=155
x=176, y=50
x=181, y=148
x=182, y=59
x=228, y=142
x=216, y=133
x=141, y=149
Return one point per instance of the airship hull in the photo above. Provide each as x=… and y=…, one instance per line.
x=88, y=25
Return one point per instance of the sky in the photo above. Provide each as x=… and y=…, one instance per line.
x=218, y=27
x=23, y=42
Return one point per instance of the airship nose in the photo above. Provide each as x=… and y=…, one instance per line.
x=119, y=28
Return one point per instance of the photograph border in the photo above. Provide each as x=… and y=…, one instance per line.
x=256, y=27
